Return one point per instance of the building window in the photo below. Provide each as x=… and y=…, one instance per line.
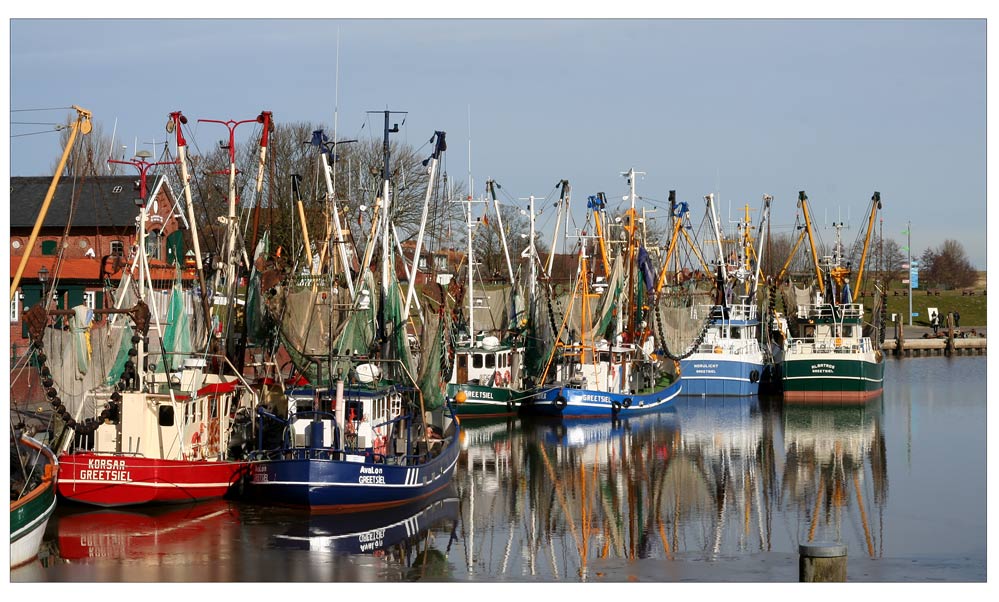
x=118, y=248
x=90, y=299
x=49, y=247
x=153, y=244
x=423, y=263
x=440, y=263
x=15, y=308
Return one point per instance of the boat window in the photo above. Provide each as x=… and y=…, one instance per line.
x=490, y=360
x=604, y=356
x=809, y=332
x=355, y=409
x=166, y=415
x=462, y=360
x=736, y=333
x=847, y=331
x=477, y=360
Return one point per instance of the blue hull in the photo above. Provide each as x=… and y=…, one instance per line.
x=720, y=377
x=315, y=478
x=575, y=403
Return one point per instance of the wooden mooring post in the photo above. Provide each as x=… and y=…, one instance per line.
x=821, y=562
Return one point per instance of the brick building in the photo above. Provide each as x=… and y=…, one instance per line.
x=93, y=222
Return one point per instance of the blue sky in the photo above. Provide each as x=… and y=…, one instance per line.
x=836, y=107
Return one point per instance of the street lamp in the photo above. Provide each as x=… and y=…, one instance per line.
x=43, y=278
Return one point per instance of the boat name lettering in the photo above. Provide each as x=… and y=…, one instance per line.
x=823, y=368
x=479, y=394
x=371, y=480
x=105, y=464
x=371, y=545
x=105, y=475
x=376, y=535
x=595, y=398
x=371, y=470
x=712, y=366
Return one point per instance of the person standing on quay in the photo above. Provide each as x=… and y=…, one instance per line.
x=957, y=319
x=935, y=323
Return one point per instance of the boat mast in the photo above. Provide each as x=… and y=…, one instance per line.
x=761, y=234
x=81, y=125
x=563, y=210
x=177, y=119
x=875, y=205
x=433, y=161
x=338, y=226
x=491, y=189
x=803, y=203
x=143, y=166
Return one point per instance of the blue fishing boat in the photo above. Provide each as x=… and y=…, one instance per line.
x=730, y=360
x=604, y=361
x=375, y=429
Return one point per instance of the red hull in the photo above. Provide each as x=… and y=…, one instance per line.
x=111, y=480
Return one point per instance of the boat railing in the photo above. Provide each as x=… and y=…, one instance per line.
x=730, y=346
x=826, y=311
x=830, y=345
x=739, y=311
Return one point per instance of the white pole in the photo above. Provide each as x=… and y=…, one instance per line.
x=471, y=272
x=410, y=294
x=340, y=243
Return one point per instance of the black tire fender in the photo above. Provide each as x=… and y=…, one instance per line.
x=560, y=402
x=626, y=403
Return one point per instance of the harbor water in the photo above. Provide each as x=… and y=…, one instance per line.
x=709, y=490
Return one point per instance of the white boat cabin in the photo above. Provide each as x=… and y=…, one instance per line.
x=488, y=363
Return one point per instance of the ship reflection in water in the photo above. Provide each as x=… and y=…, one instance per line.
x=711, y=479
x=709, y=489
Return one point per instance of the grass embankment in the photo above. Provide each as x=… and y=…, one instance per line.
x=972, y=308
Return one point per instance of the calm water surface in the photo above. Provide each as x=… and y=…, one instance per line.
x=711, y=490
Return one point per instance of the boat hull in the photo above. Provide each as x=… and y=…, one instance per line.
x=823, y=378
x=483, y=401
x=30, y=514
x=568, y=402
x=109, y=481
x=316, y=479
x=715, y=374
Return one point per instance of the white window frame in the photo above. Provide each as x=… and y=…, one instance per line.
x=15, y=308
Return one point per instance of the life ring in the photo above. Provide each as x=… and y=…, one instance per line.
x=560, y=402
x=626, y=403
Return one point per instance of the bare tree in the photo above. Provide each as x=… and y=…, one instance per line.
x=948, y=266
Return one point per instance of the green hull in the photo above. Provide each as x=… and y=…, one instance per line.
x=825, y=378
x=30, y=513
x=485, y=401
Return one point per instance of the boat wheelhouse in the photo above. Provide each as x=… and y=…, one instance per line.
x=729, y=360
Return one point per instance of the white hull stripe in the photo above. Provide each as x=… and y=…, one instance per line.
x=144, y=484
x=873, y=380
